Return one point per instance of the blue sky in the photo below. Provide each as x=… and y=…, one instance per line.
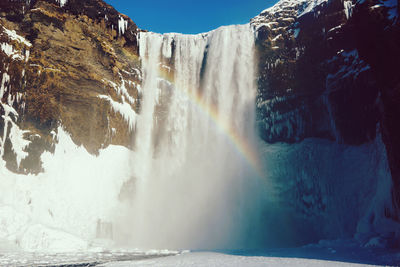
x=189, y=16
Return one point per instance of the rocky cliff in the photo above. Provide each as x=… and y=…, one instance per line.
x=71, y=63
x=329, y=69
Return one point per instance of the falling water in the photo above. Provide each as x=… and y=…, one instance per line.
x=195, y=164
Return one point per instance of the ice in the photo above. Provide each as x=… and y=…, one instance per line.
x=122, y=25
x=323, y=190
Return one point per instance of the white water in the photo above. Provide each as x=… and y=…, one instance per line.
x=193, y=188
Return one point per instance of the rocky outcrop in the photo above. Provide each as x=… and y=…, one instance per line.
x=73, y=64
x=329, y=69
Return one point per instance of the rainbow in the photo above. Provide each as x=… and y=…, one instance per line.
x=245, y=149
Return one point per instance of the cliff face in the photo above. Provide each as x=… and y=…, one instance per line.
x=73, y=63
x=330, y=69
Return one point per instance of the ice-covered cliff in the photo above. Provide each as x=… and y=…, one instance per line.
x=328, y=70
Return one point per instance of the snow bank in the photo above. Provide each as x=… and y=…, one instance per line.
x=59, y=209
x=40, y=238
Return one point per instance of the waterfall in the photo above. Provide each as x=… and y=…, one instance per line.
x=195, y=160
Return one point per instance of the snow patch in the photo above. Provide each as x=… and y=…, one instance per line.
x=126, y=111
x=309, y=6
x=62, y=2
x=5, y=80
x=124, y=108
x=281, y=5
x=19, y=144
x=7, y=49
x=40, y=238
x=14, y=36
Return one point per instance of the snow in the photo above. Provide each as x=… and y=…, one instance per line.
x=207, y=259
x=283, y=4
x=352, y=66
x=309, y=6
x=14, y=36
x=121, y=89
x=38, y=237
x=276, y=38
x=19, y=144
x=10, y=52
x=91, y=257
x=46, y=212
x=62, y=2
x=11, y=223
x=285, y=10
x=5, y=80
x=335, y=28
x=125, y=109
x=348, y=8
x=7, y=49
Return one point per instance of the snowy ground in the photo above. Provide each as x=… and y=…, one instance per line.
x=325, y=253
x=219, y=259
x=77, y=258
